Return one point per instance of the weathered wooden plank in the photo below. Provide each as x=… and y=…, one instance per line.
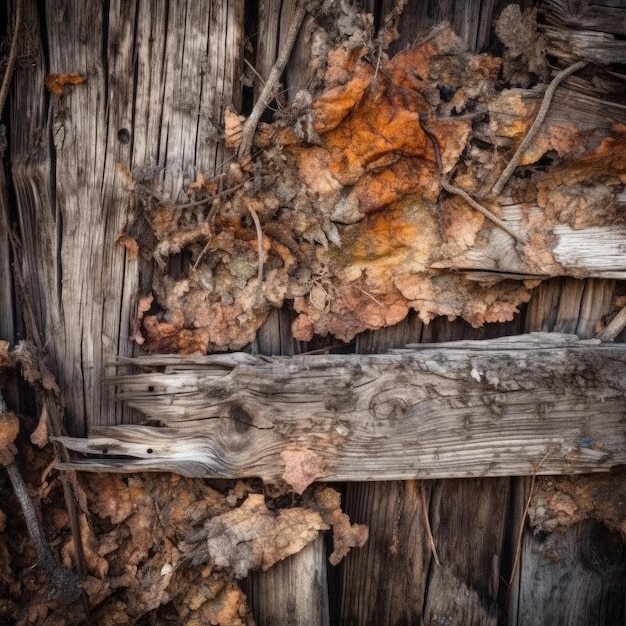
x=384, y=582
x=158, y=78
x=7, y=313
x=468, y=523
x=573, y=578
x=293, y=591
x=427, y=414
x=556, y=581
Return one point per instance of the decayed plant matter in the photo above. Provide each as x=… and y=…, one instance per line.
x=344, y=208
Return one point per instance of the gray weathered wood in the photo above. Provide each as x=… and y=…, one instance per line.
x=158, y=77
x=293, y=591
x=468, y=523
x=385, y=581
x=431, y=413
x=574, y=576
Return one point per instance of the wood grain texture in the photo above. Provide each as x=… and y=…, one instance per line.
x=576, y=576
x=294, y=591
x=7, y=314
x=158, y=78
x=469, y=534
x=384, y=582
x=486, y=409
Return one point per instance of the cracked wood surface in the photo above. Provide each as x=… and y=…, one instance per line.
x=494, y=408
x=158, y=77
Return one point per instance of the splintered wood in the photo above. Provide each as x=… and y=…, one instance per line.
x=548, y=404
x=355, y=211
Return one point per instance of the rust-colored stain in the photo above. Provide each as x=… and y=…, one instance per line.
x=355, y=227
x=56, y=83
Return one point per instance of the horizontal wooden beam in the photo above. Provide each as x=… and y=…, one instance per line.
x=540, y=403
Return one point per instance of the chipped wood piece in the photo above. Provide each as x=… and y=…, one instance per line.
x=614, y=327
x=443, y=412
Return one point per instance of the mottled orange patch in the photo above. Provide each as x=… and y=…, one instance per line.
x=56, y=83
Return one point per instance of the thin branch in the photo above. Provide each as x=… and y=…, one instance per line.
x=486, y=212
x=429, y=532
x=215, y=196
x=463, y=194
x=259, y=239
x=269, y=89
x=534, y=129
x=8, y=73
x=254, y=71
x=64, y=582
x=520, y=535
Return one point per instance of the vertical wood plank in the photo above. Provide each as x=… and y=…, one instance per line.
x=158, y=79
x=573, y=578
x=468, y=522
x=566, y=577
x=384, y=581
x=294, y=591
x=7, y=300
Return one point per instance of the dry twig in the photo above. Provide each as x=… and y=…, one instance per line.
x=515, y=159
x=463, y=194
x=520, y=535
x=429, y=532
x=64, y=582
x=259, y=239
x=269, y=89
x=8, y=73
x=534, y=129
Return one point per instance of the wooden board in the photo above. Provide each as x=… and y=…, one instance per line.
x=510, y=406
x=148, y=113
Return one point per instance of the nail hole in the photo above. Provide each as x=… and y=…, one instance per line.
x=149, y=450
x=151, y=388
x=123, y=134
x=105, y=450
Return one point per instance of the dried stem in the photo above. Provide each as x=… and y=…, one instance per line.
x=64, y=582
x=520, y=535
x=259, y=239
x=8, y=74
x=486, y=212
x=463, y=194
x=534, y=129
x=269, y=89
x=429, y=532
